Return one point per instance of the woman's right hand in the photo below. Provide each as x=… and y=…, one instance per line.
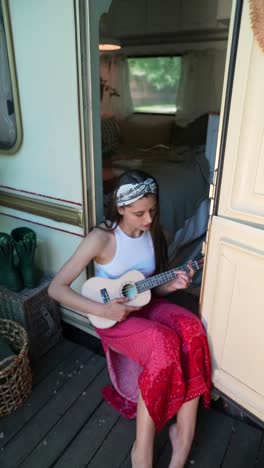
x=118, y=309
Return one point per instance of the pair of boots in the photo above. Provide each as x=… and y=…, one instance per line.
x=13, y=277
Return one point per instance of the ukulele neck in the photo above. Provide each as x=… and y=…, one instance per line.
x=162, y=278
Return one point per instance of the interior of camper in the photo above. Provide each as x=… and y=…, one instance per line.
x=162, y=68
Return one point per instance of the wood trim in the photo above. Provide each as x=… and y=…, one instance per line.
x=55, y=211
x=82, y=118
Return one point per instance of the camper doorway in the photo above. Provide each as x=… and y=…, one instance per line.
x=160, y=104
x=231, y=301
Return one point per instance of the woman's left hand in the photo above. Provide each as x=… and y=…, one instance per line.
x=182, y=280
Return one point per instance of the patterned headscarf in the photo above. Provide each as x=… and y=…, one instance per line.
x=129, y=193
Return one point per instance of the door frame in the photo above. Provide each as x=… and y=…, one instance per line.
x=230, y=65
x=87, y=16
x=235, y=24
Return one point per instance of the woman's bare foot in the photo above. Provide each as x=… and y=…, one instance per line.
x=139, y=461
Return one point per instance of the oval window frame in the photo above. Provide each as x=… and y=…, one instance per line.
x=13, y=76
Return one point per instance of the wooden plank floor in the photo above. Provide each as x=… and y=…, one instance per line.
x=66, y=424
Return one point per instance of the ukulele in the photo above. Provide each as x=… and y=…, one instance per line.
x=133, y=285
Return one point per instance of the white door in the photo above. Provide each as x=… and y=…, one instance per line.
x=232, y=302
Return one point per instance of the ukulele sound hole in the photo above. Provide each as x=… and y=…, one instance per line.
x=129, y=291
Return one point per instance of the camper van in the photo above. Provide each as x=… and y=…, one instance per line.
x=180, y=97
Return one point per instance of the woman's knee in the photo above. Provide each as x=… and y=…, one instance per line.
x=190, y=325
x=164, y=340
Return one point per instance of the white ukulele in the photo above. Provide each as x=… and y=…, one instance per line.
x=132, y=285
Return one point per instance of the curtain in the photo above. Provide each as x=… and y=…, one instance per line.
x=114, y=69
x=200, y=86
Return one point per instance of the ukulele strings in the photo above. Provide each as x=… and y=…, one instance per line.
x=195, y=263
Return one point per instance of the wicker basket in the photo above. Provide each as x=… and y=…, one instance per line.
x=37, y=313
x=15, y=378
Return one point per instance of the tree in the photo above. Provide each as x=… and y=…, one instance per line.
x=160, y=72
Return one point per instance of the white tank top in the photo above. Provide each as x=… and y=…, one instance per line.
x=132, y=253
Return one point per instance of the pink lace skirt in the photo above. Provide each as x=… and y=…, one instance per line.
x=163, y=351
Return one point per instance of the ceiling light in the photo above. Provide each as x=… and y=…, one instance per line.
x=106, y=41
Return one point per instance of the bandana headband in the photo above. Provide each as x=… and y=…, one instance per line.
x=129, y=193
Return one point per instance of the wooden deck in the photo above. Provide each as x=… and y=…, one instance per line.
x=66, y=424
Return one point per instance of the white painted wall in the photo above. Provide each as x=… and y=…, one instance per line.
x=48, y=161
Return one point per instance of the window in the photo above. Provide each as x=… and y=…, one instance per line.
x=10, y=127
x=153, y=83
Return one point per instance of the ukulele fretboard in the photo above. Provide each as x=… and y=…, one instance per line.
x=162, y=278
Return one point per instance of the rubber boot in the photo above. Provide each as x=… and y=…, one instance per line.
x=25, y=241
x=10, y=276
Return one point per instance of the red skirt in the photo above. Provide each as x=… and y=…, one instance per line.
x=163, y=351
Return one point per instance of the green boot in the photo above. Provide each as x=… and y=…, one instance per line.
x=25, y=241
x=9, y=275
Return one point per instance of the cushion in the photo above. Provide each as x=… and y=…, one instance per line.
x=141, y=131
x=194, y=134
x=110, y=135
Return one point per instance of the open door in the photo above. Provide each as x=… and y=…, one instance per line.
x=232, y=303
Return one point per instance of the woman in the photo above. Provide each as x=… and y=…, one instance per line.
x=157, y=356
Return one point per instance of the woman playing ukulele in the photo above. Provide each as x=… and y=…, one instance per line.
x=157, y=355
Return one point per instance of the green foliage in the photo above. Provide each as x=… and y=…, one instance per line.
x=160, y=72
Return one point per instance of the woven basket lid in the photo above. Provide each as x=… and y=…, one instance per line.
x=257, y=20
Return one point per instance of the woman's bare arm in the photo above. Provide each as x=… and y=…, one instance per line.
x=60, y=288
x=92, y=246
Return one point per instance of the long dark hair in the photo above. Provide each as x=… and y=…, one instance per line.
x=113, y=217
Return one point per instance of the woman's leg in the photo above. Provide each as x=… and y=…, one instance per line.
x=174, y=365
x=181, y=433
x=195, y=354
x=142, y=452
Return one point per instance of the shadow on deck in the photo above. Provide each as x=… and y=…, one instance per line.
x=65, y=423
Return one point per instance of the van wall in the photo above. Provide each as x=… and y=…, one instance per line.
x=47, y=166
x=44, y=43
